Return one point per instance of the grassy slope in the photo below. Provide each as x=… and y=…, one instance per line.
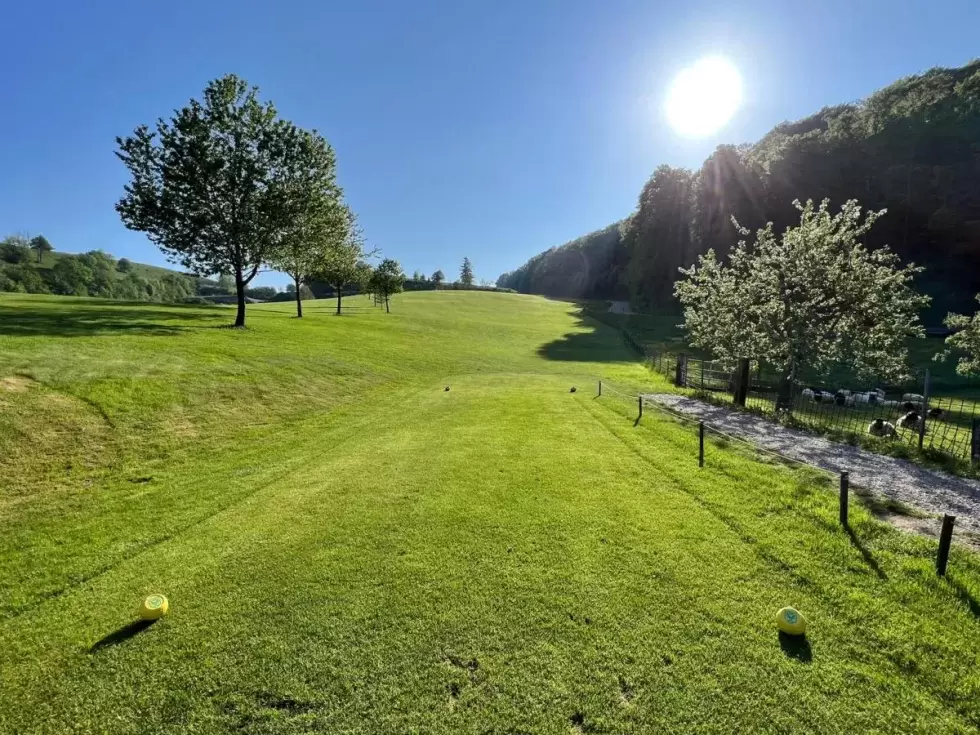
x=349, y=548
x=141, y=269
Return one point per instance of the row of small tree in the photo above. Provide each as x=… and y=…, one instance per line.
x=227, y=186
x=438, y=279
x=813, y=298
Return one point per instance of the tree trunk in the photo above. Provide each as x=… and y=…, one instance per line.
x=339, y=296
x=299, y=300
x=240, y=294
x=387, y=309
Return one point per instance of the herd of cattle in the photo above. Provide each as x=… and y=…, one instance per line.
x=911, y=403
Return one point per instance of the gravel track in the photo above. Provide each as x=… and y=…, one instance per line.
x=931, y=491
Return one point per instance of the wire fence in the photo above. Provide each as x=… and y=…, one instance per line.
x=948, y=521
x=667, y=411
x=949, y=425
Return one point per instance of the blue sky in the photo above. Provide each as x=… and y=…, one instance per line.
x=492, y=130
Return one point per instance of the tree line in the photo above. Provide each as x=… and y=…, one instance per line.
x=24, y=268
x=27, y=267
x=912, y=149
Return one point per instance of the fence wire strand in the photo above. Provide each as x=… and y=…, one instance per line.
x=951, y=424
x=715, y=430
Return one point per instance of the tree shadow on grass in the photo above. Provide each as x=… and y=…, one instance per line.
x=601, y=343
x=83, y=320
x=121, y=635
x=796, y=646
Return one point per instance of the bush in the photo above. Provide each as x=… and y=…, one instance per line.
x=24, y=278
x=13, y=250
x=71, y=277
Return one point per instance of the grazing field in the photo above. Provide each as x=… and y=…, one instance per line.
x=349, y=547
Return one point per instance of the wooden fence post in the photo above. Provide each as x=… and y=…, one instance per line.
x=844, y=483
x=742, y=382
x=945, y=541
x=679, y=370
x=700, y=444
x=925, y=410
x=975, y=442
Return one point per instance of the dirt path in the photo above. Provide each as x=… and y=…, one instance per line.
x=930, y=491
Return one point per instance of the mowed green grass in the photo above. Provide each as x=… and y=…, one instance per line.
x=348, y=547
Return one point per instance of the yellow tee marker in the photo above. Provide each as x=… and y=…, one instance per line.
x=791, y=621
x=154, y=607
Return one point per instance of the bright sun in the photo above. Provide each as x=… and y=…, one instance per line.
x=703, y=97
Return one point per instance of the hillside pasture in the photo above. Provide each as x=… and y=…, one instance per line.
x=348, y=546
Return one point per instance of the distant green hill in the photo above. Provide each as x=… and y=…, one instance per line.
x=94, y=273
x=145, y=270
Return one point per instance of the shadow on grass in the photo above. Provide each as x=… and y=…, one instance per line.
x=121, y=635
x=796, y=646
x=82, y=320
x=601, y=343
x=868, y=558
x=964, y=594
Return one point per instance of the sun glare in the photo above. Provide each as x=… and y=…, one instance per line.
x=703, y=97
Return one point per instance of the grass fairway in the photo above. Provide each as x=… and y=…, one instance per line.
x=349, y=548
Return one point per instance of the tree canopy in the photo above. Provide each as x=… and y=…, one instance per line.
x=966, y=339
x=341, y=262
x=466, y=273
x=387, y=279
x=815, y=297
x=41, y=246
x=218, y=185
x=319, y=223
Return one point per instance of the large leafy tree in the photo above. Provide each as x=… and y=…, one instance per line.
x=812, y=298
x=466, y=273
x=438, y=278
x=387, y=279
x=318, y=221
x=341, y=264
x=40, y=245
x=214, y=187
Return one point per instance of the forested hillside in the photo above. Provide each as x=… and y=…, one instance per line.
x=912, y=148
x=33, y=266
